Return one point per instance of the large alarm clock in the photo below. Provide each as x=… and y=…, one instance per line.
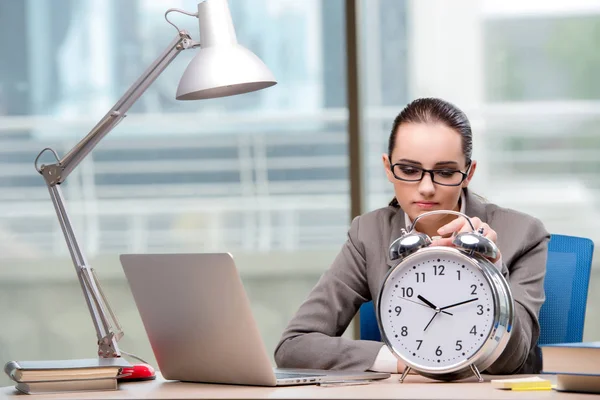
x=446, y=312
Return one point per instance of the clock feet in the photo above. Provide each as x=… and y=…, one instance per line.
x=406, y=371
x=475, y=372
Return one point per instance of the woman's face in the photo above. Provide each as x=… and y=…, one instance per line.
x=428, y=146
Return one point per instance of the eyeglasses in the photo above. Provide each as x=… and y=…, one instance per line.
x=442, y=176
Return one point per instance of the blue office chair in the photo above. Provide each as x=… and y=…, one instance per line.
x=562, y=316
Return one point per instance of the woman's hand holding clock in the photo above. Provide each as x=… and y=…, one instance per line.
x=462, y=225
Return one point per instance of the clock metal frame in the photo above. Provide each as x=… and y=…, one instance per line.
x=502, y=324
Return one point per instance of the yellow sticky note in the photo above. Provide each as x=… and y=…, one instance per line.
x=517, y=389
x=522, y=384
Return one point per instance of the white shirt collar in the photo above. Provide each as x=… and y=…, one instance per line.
x=408, y=222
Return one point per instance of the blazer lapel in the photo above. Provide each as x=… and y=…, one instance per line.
x=475, y=206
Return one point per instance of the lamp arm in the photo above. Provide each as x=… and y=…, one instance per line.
x=107, y=327
x=72, y=159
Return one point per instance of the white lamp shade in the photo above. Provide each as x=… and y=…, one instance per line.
x=223, y=70
x=222, y=67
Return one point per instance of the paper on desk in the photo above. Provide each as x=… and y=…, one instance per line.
x=530, y=383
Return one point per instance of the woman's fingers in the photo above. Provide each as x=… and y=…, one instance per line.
x=490, y=233
x=442, y=241
x=461, y=225
x=452, y=226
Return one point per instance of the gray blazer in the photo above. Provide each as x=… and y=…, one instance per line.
x=313, y=339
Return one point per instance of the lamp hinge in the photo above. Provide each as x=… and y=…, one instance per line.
x=52, y=174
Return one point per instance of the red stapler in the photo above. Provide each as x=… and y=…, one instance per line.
x=137, y=372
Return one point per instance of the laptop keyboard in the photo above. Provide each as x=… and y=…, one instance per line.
x=287, y=375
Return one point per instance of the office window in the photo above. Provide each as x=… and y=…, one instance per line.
x=384, y=87
x=262, y=175
x=526, y=75
x=543, y=115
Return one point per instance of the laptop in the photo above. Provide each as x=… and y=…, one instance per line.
x=198, y=319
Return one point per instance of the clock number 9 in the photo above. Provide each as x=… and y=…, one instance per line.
x=398, y=310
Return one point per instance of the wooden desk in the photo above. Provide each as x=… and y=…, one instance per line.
x=415, y=387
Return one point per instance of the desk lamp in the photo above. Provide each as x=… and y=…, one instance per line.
x=221, y=68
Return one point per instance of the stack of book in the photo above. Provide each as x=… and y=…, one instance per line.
x=54, y=376
x=576, y=365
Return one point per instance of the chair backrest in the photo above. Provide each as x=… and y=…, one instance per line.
x=562, y=315
x=568, y=269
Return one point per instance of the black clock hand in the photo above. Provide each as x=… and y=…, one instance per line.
x=430, y=321
x=430, y=304
x=424, y=300
x=460, y=304
x=422, y=305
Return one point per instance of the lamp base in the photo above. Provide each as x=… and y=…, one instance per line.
x=138, y=372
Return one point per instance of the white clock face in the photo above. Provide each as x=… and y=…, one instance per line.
x=436, y=310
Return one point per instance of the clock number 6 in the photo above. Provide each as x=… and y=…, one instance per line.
x=438, y=351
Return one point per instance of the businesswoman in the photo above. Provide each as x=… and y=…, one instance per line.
x=430, y=166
